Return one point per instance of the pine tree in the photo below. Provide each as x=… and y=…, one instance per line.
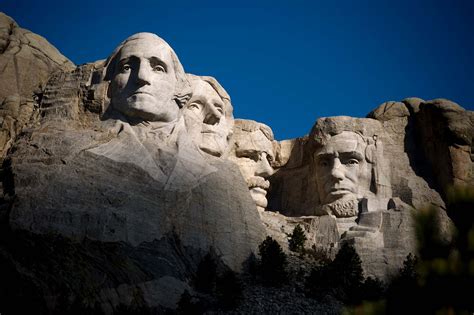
x=273, y=263
x=408, y=270
x=228, y=290
x=297, y=239
x=341, y=278
x=185, y=304
x=347, y=267
x=403, y=294
x=206, y=274
x=372, y=289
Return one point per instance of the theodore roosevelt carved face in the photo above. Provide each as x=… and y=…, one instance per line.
x=208, y=115
x=254, y=154
x=146, y=79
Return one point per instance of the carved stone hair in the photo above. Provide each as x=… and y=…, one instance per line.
x=246, y=125
x=183, y=88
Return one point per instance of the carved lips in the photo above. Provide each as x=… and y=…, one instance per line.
x=258, y=182
x=137, y=93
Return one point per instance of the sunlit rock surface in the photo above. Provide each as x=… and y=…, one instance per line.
x=119, y=175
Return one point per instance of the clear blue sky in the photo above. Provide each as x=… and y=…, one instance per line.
x=284, y=63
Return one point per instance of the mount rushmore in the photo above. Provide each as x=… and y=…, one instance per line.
x=119, y=175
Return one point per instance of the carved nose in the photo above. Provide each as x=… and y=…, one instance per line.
x=264, y=168
x=213, y=116
x=143, y=76
x=337, y=171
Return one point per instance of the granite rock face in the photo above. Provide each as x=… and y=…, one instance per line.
x=370, y=174
x=21, y=88
x=120, y=175
x=111, y=163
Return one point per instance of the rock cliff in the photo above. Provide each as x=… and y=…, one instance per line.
x=120, y=175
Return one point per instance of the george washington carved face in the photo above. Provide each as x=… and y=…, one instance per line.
x=144, y=75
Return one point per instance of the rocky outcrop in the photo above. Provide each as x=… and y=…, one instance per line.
x=21, y=88
x=120, y=175
x=446, y=131
x=87, y=179
x=419, y=148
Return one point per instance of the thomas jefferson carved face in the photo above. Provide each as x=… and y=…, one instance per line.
x=143, y=82
x=254, y=155
x=208, y=117
x=341, y=168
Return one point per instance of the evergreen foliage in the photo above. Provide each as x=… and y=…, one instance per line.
x=273, y=263
x=319, y=282
x=347, y=268
x=228, y=290
x=217, y=287
x=187, y=305
x=297, y=239
x=206, y=274
x=445, y=270
x=408, y=270
x=342, y=278
x=402, y=294
x=252, y=265
x=372, y=289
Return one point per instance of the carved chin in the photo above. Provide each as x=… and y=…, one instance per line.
x=146, y=107
x=213, y=144
x=259, y=196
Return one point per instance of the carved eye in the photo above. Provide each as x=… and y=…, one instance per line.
x=195, y=106
x=352, y=162
x=323, y=163
x=219, y=108
x=125, y=68
x=269, y=158
x=159, y=68
x=253, y=156
x=249, y=155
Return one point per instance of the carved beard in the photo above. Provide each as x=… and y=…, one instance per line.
x=343, y=208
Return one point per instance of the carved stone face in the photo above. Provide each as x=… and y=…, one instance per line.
x=206, y=119
x=341, y=169
x=254, y=155
x=144, y=81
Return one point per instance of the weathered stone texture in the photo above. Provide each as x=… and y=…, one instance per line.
x=446, y=131
x=422, y=147
x=121, y=176
x=27, y=60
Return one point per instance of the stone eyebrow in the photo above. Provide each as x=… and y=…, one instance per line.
x=126, y=59
x=350, y=154
x=322, y=155
x=197, y=99
x=157, y=61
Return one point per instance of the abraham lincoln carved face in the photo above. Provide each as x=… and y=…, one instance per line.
x=342, y=172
